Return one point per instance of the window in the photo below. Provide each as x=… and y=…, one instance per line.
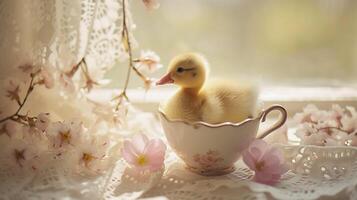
x=277, y=42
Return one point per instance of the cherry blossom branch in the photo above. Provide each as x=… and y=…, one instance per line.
x=74, y=69
x=16, y=115
x=141, y=75
x=89, y=81
x=335, y=128
x=82, y=65
x=126, y=37
x=127, y=44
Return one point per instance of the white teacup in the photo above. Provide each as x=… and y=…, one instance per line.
x=212, y=149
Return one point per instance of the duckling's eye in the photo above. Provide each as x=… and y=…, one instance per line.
x=180, y=69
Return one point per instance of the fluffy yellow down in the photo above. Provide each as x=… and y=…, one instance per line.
x=212, y=101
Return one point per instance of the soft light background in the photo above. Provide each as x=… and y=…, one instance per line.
x=277, y=42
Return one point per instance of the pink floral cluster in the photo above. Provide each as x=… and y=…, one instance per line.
x=27, y=142
x=29, y=146
x=27, y=139
x=334, y=127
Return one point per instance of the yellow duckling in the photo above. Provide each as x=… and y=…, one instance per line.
x=213, y=102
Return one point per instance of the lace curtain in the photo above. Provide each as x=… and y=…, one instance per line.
x=60, y=33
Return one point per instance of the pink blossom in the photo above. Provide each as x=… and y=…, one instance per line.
x=20, y=153
x=144, y=154
x=67, y=83
x=42, y=121
x=310, y=136
x=9, y=128
x=151, y=4
x=349, y=122
x=108, y=113
x=334, y=127
x=266, y=161
x=148, y=61
x=13, y=90
x=47, y=78
x=62, y=134
x=28, y=68
x=337, y=112
x=92, y=153
x=307, y=115
x=336, y=139
x=103, y=111
x=149, y=83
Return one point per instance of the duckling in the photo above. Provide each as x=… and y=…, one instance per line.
x=213, y=101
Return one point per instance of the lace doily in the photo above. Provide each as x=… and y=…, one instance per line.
x=316, y=172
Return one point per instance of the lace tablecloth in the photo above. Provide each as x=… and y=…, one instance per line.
x=316, y=173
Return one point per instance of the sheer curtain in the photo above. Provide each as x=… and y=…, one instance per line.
x=60, y=32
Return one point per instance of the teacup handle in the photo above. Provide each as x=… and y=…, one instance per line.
x=278, y=124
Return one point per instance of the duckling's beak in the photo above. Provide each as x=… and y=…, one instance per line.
x=165, y=80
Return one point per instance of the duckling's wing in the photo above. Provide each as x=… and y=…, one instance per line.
x=211, y=109
x=237, y=101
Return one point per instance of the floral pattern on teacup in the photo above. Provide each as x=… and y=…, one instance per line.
x=208, y=160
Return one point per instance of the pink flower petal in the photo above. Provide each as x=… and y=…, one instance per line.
x=154, y=147
x=275, y=169
x=144, y=154
x=274, y=162
x=140, y=141
x=266, y=178
x=151, y=4
x=275, y=152
x=129, y=153
x=273, y=157
x=282, y=169
x=257, y=148
x=249, y=160
x=155, y=151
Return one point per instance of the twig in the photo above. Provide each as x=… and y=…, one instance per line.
x=20, y=118
x=126, y=37
x=335, y=128
x=141, y=75
x=29, y=90
x=89, y=81
x=82, y=65
x=74, y=69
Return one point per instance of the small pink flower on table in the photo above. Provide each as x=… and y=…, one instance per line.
x=266, y=161
x=144, y=154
